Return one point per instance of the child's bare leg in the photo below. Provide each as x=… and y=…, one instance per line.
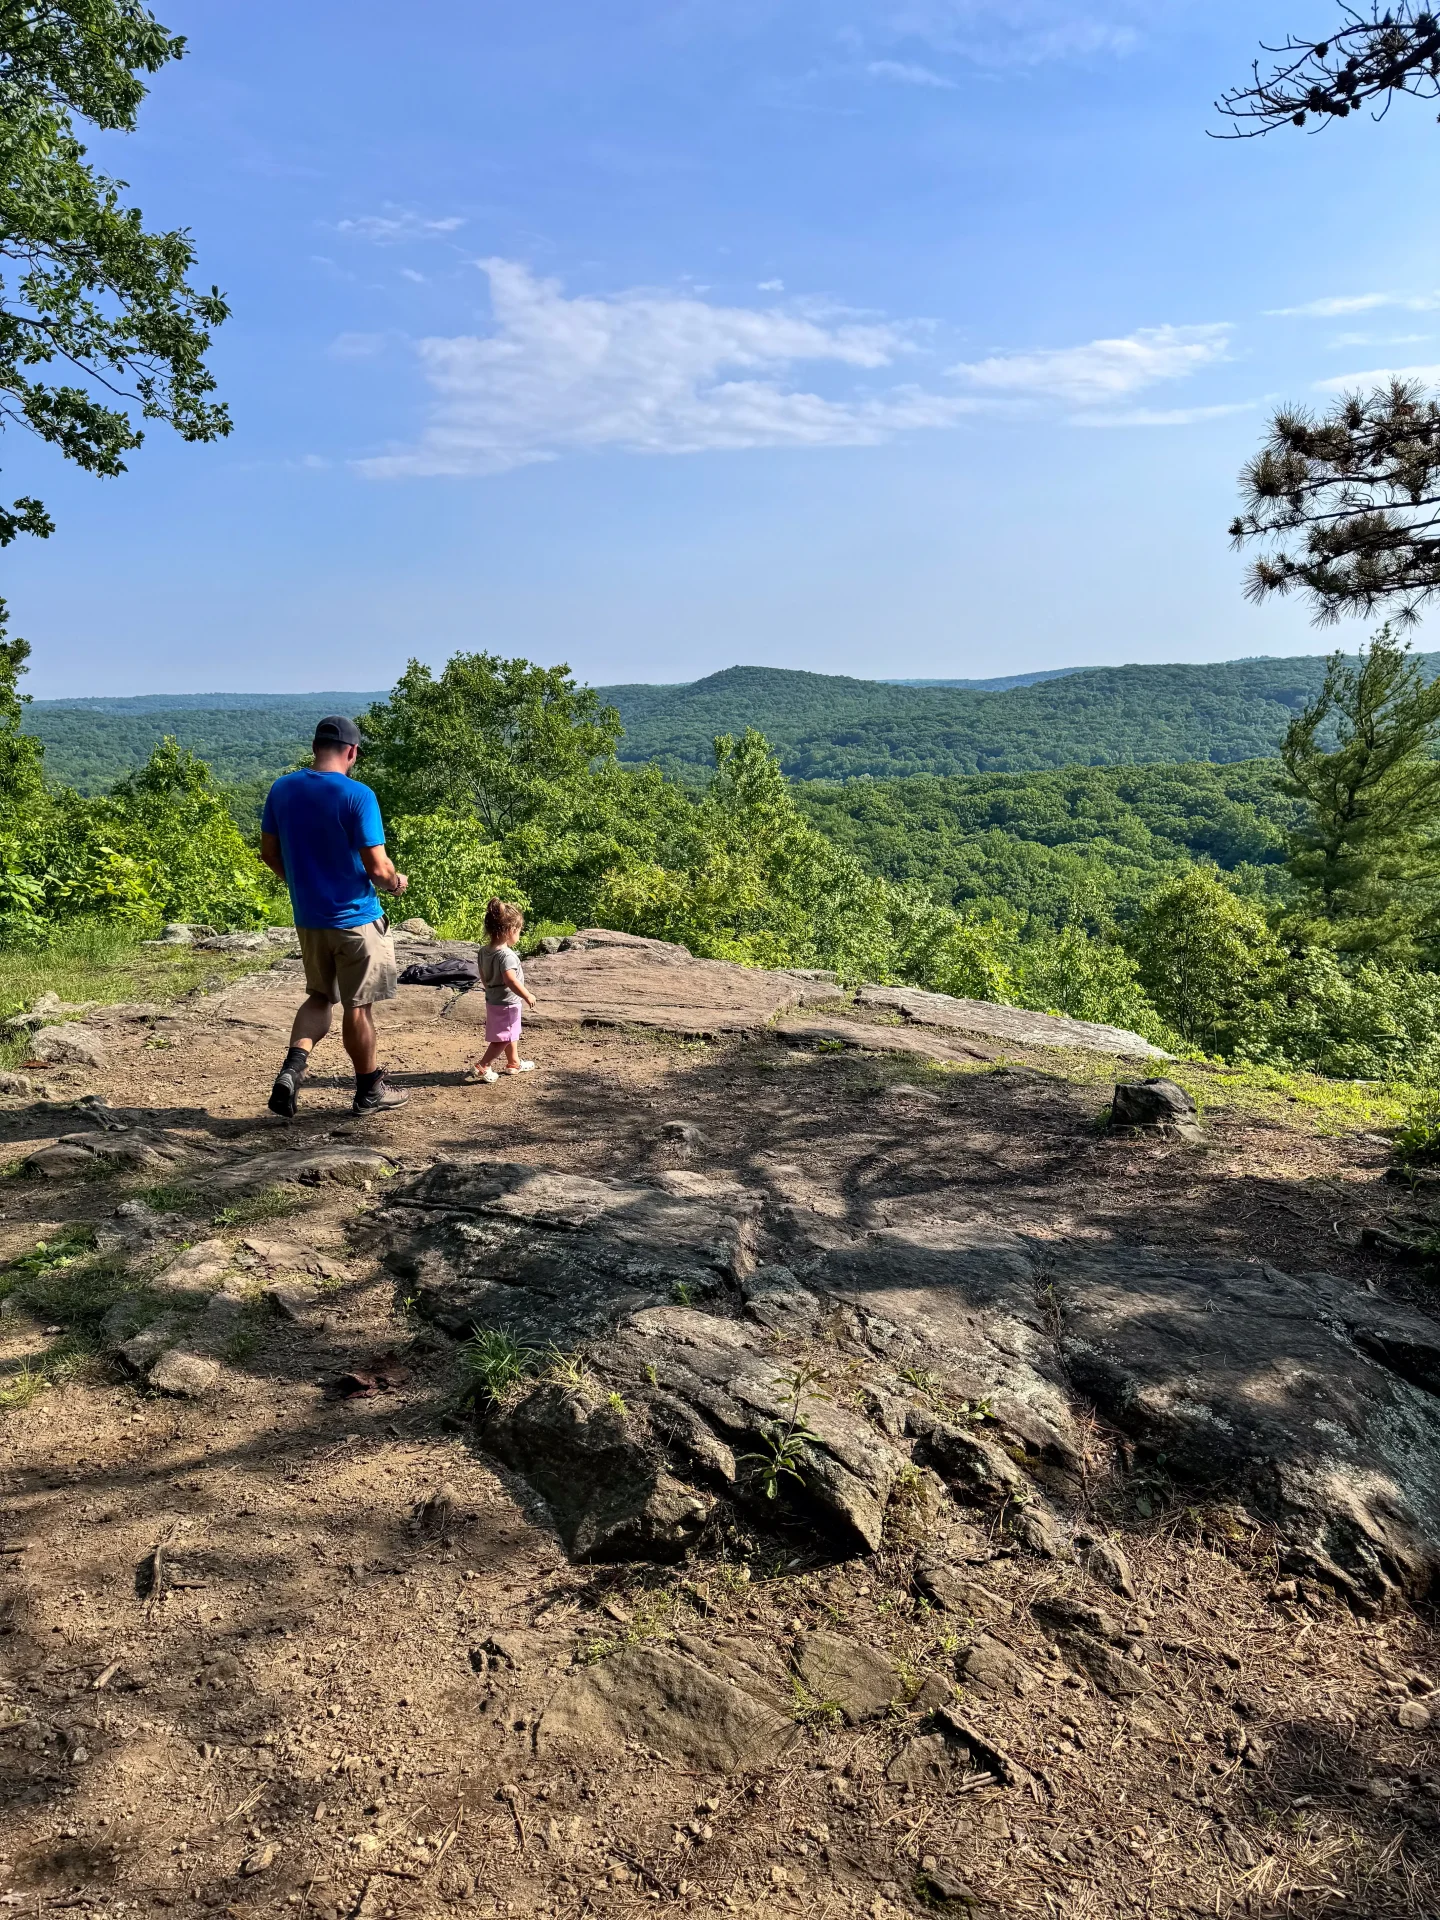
x=512, y=1055
x=491, y=1054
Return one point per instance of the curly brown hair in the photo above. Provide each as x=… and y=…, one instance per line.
x=502, y=920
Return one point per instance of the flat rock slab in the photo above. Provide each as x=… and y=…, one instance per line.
x=865, y=1037
x=671, y=1704
x=1017, y=1024
x=308, y=1164
x=599, y=978
x=1314, y=1402
x=840, y=1672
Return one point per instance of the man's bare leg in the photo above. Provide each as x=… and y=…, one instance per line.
x=358, y=1033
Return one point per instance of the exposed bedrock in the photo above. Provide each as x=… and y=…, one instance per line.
x=696, y=1370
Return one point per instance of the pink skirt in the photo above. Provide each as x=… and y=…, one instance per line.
x=502, y=1024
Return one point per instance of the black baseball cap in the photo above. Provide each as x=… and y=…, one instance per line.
x=336, y=731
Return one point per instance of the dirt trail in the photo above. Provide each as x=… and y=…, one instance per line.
x=325, y=1696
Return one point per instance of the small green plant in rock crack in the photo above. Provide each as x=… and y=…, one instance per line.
x=808, y=1709
x=567, y=1370
x=491, y=1361
x=786, y=1439
x=682, y=1294
x=616, y=1404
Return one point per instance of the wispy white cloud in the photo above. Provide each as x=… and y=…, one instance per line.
x=1102, y=371
x=1021, y=32
x=770, y=286
x=1378, y=339
x=908, y=74
x=397, y=224
x=356, y=346
x=649, y=372
x=1336, y=306
x=1162, y=417
x=1378, y=377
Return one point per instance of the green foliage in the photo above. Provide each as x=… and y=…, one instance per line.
x=506, y=740
x=785, y=1443
x=1418, y=1142
x=454, y=869
x=92, y=289
x=20, y=753
x=163, y=847
x=1361, y=758
x=1205, y=958
x=491, y=1361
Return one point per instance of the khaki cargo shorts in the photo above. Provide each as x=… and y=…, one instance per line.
x=354, y=965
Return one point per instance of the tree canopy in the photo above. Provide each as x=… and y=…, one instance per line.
x=1349, y=502
x=1371, y=56
x=100, y=328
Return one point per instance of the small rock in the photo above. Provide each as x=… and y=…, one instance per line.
x=260, y=1861
x=992, y=1667
x=16, y=1083
x=952, y=1592
x=188, y=1376
x=861, y=1682
x=68, y=1046
x=1413, y=1716
x=934, y=1691
x=974, y=1466
x=1035, y=1527
x=945, y=1887
x=289, y=1300
x=422, y=929
x=437, y=1510
x=1156, y=1106
x=926, y=1761
x=1104, y=1560
x=1063, y=1613
x=671, y=1704
x=59, y=1163
x=175, y=933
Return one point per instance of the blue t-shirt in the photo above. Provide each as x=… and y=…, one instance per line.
x=322, y=820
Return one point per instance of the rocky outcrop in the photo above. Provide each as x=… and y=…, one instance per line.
x=670, y=1369
x=1016, y=1024
x=600, y=978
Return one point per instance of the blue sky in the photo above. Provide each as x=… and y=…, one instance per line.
x=901, y=337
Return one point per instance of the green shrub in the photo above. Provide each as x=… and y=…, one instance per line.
x=454, y=870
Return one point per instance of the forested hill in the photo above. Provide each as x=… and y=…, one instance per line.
x=829, y=728
x=89, y=744
x=824, y=726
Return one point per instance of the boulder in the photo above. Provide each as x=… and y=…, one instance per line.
x=347, y=1164
x=929, y=1760
x=233, y=943
x=952, y=1591
x=184, y=1375
x=67, y=1046
x=1006, y=1023
x=60, y=1163
x=670, y=1704
x=842, y=1673
x=1154, y=1106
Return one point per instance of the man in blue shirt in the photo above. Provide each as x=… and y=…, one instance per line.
x=321, y=833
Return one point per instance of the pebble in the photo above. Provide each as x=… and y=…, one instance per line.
x=1413, y=1715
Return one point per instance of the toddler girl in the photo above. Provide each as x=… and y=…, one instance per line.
x=503, y=979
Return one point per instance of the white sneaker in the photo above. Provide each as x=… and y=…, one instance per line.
x=524, y=1066
x=490, y=1076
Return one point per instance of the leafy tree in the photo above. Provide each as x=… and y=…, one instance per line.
x=506, y=740
x=87, y=286
x=171, y=817
x=1358, y=488
x=454, y=871
x=1365, y=858
x=20, y=753
x=1205, y=959
x=1370, y=56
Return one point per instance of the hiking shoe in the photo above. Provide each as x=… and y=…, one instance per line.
x=380, y=1099
x=285, y=1094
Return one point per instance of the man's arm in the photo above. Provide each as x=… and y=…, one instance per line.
x=381, y=869
x=270, y=854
